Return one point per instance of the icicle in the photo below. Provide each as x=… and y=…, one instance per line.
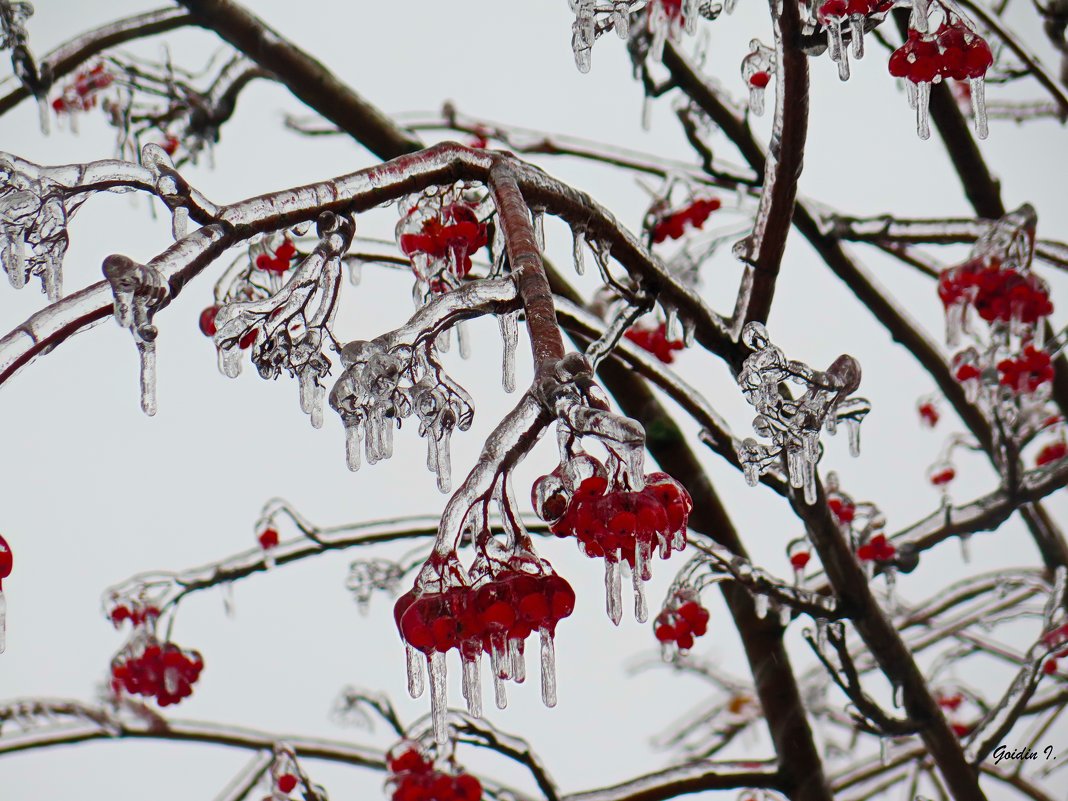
x=179, y=222
x=760, y=605
x=578, y=248
x=500, y=694
x=896, y=699
x=436, y=667
x=613, y=589
x=53, y=281
x=43, y=115
x=853, y=432
x=463, y=340
x=756, y=100
x=147, y=352
x=519, y=664
x=230, y=362
x=965, y=549
x=923, y=96
x=641, y=608
x=353, y=443
x=890, y=575
x=647, y=112
x=910, y=93
x=415, y=671
x=821, y=634
x=269, y=563
x=809, y=470
x=311, y=397
x=355, y=271
x=227, y=588
x=979, y=106
x=472, y=684
x=509, y=324
x=884, y=751
x=15, y=260
x=3, y=622
x=856, y=27
x=548, y=669
x=786, y=615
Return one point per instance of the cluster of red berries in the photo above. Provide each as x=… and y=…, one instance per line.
x=877, y=549
x=675, y=224
x=81, y=95
x=614, y=523
x=281, y=261
x=929, y=415
x=139, y=615
x=996, y=294
x=1053, y=639
x=838, y=10
x=954, y=51
x=1050, y=453
x=163, y=671
x=455, y=232
x=413, y=777
x=681, y=620
x=655, y=340
x=510, y=606
x=1028, y=371
x=842, y=507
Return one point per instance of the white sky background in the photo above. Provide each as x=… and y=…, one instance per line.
x=93, y=491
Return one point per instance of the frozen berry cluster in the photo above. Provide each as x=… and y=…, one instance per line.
x=681, y=621
x=413, y=776
x=441, y=240
x=675, y=224
x=997, y=293
x=655, y=340
x=953, y=51
x=81, y=94
x=475, y=619
x=611, y=522
x=278, y=261
x=157, y=670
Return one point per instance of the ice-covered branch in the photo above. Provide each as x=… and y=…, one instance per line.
x=983, y=514
x=115, y=727
x=70, y=55
x=763, y=249
x=531, y=141
x=759, y=581
x=304, y=76
x=478, y=732
x=693, y=778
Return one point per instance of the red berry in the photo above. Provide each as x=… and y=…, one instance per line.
x=943, y=477
x=760, y=79
x=207, y=321
x=1053, y=452
x=268, y=539
x=799, y=559
x=286, y=782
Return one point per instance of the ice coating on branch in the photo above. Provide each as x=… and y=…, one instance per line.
x=793, y=425
x=367, y=576
x=279, y=306
x=33, y=225
x=139, y=290
x=578, y=251
x=758, y=67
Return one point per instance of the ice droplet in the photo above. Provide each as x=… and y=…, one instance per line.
x=415, y=671
x=760, y=605
x=548, y=668
x=3, y=622
x=438, y=700
x=853, y=432
x=147, y=353
x=897, y=695
x=472, y=684
x=509, y=324
x=613, y=589
x=227, y=588
x=786, y=615
x=578, y=249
